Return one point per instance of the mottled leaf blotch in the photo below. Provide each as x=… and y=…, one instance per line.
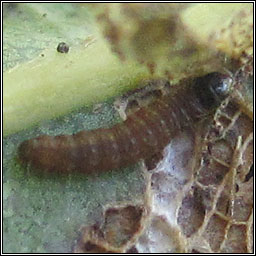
x=62, y=48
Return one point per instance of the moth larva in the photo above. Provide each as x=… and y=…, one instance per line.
x=143, y=134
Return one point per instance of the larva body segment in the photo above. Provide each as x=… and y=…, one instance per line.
x=143, y=134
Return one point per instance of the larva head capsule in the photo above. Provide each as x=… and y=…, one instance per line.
x=220, y=85
x=213, y=88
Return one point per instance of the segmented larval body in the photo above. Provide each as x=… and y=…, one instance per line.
x=143, y=134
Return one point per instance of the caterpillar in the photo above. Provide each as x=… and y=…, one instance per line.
x=143, y=134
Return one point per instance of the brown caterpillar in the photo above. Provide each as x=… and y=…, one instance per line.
x=143, y=134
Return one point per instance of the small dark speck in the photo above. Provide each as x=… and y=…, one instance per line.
x=62, y=48
x=42, y=55
x=44, y=15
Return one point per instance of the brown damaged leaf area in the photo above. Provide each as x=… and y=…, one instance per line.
x=154, y=36
x=217, y=210
x=120, y=226
x=201, y=186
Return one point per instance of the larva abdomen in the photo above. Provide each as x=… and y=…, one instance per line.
x=96, y=150
x=142, y=135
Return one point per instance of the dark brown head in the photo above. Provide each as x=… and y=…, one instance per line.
x=212, y=89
